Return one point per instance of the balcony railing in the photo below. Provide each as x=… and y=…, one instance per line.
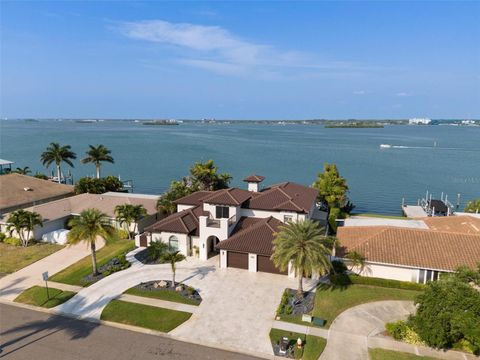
x=232, y=220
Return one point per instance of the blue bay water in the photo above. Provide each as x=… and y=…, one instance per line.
x=152, y=156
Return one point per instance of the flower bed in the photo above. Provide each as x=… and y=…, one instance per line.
x=163, y=290
x=118, y=263
x=290, y=306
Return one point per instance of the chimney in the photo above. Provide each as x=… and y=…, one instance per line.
x=253, y=182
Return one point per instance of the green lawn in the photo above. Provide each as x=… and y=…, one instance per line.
x=381, y=354
x=162, y=295
x=37, y=296
x=331, y=301
x=13, y=258
x=313, y=345
x=146, y=316
x=74, y=274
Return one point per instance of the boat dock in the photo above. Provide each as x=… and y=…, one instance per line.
x=430, y=207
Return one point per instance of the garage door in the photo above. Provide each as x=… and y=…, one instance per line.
x=237, y=260
x=264, y=264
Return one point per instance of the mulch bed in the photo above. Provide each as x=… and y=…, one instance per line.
x=187, y=291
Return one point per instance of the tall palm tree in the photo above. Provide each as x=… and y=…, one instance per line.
x=173, y=257
x=127, y=214
x=97, y=154
x=58, y=154
x=23, y=171
x=205, y=173
x=301, y=243
x=23, y=221
x=87, y=227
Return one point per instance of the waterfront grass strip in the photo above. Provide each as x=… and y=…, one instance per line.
x=75, y=274
x=146, y=316
x=37, y=296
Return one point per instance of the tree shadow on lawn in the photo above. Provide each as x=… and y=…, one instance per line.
x=333, y=287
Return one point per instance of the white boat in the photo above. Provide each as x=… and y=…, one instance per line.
x=385, y=146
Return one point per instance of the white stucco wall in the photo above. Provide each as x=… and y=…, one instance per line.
x=183, y=240
x=181, y=207
x=223, y=259
x=252, y=262
x=389, y=272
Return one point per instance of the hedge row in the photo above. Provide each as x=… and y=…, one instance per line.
x=344, y=279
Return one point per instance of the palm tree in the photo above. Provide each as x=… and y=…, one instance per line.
x=173, y=257
x=128, y=213
x=205, y=175
x=87, y=227
x=23, y=171
x=97, y=154
x=356, y=260
x=301, y=243
x=21, y=221
x=56, y=154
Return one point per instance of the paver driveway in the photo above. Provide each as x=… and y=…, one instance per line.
x=236, y=313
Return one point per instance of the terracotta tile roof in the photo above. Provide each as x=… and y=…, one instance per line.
x=183, y=222
x=411, y=247
x=285, y=196
x=254, y=178
x=252, y=235
x=281, y=197
x=458, y=224
x=13, y=194
x=194, y=199
x=232, y=196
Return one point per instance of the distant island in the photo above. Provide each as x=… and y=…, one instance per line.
x=354, y=124
x=160, y=122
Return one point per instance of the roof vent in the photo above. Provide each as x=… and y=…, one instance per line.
x=27, y=189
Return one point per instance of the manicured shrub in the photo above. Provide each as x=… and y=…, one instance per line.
x=405, y=285
x=12, y=241
x=400, y=330
x=283, y=303
x=340, y=279
x=156, y=250
x=2, y=237
x=288, y=310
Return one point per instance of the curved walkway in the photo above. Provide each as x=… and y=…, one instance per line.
x=237, y=306
x=348, y=335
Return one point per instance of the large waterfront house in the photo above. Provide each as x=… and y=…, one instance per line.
x=238, y=224
x=412, y=250
x=55, y=214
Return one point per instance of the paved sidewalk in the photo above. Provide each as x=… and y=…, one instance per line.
x=14, y=284
x=302, y=329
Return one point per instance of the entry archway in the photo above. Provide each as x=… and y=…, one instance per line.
x=211, y=242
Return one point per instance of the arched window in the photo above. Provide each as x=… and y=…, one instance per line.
x=173, y=243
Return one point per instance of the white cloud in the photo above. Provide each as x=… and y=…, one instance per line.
x=403, y=94
x=359, y=92
x=215, y=49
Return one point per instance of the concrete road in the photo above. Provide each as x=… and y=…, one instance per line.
x=27, y=334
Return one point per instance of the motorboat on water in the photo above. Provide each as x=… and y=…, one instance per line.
x=385, y=146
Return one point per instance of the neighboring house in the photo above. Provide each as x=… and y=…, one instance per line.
x=55, y=214
x=413, y=251
x=22, y=191
x=238, y=223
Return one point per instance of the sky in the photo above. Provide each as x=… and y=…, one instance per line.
x=240, y=60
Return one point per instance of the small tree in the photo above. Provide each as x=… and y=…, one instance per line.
x=206, y=176
x=356, y=261
x=127, y=214
x=173, y=257
x=156, y=250
x=22, y=221
x=96, y=155
x=473, y=206
x=178, y=189
x=301, y=243
x=87, y=227
x=448, y=312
